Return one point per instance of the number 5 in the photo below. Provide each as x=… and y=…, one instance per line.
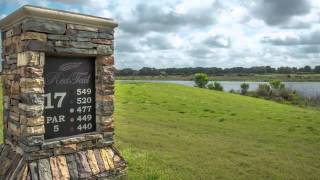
x=56, y=128
x=78, y=92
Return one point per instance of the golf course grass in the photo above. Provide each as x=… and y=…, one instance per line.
x=168, y=131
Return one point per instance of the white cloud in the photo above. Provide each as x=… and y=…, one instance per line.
x=179, y=33
x=234, y=39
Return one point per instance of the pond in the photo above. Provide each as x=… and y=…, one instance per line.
x=306, y=89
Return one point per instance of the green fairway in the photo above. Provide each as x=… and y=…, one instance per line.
x=168, y=131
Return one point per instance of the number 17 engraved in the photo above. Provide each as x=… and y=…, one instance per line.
x=60, y=95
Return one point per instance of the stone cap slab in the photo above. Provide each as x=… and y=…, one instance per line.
x=28, y=11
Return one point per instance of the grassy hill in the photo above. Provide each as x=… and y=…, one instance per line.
x=169, y=131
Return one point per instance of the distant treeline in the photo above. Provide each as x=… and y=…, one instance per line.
x=147, y=71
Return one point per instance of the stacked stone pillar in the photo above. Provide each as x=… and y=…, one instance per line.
x=29, y=35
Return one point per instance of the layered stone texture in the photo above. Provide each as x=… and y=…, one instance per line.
x=97, y=163
x=40, y=35
x=26, y=154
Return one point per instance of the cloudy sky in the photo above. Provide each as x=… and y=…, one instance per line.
x=192, y=33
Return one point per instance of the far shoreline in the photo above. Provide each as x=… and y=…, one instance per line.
x=234, y=77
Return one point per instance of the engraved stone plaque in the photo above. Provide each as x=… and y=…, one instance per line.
x=69, y=106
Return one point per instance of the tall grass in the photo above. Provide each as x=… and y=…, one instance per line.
x=277, y=91
x=312, y=101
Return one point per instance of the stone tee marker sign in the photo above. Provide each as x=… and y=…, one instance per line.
x=58, y=97
x=69, y=92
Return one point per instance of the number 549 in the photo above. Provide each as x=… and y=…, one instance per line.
x=83, y=91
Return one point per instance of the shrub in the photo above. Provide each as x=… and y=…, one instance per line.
x=263, y=90
x=215, y=86
x=244, y=88
x=201, y=80
x=218, y=86
x=276, y=84
x=313, y=101
x=210, y=86
x=286, y=94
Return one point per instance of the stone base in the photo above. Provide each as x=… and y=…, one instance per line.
x=97, y=163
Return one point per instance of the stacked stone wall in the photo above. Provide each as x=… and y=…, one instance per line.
x=25, y=47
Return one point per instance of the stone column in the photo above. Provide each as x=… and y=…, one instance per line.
x=29, y=36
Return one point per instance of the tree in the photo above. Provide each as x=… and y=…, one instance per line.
x=244, y=88
x=285, y=70
x=317, y=69
x=126, y=72
x=146, y=71
x=201, y=80
x=215, y=86
x=307, y=69
x=189, y=71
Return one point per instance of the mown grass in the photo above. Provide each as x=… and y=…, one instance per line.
x=168, y=131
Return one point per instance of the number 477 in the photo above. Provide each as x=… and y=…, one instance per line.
x=60, y=95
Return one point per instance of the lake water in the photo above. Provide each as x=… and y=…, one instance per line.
x=306, y=89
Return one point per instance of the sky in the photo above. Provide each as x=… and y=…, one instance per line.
x=204, y=33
